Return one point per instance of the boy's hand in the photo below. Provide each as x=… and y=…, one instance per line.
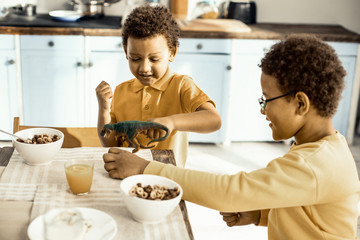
x=121, y=164
x=104, y=94
x=158, y=133
x=241, y=218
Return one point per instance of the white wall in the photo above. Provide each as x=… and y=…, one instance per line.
x=341, y=12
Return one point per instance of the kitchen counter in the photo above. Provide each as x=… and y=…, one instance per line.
x=219, y=28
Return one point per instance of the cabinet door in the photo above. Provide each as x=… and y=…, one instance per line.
x=212, y=74
x=53, y=80
x=347, y=53
x=8, y=83
x=246, y=121
x=107, y=62
x=341, y=118
x=111, y=67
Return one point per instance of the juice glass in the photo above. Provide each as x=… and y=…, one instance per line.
x=79, y=175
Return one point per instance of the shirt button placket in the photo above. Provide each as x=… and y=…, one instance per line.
x=145, y=103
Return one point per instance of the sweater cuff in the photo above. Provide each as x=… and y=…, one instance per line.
x=154, y=168
x=263, y=217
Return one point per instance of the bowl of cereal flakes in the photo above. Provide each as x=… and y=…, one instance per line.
x=150, y=198
x=41, y=146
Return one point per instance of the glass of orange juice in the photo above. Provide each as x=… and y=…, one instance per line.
x=79, y=175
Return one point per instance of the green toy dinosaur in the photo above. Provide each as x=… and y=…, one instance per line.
x=128, y=131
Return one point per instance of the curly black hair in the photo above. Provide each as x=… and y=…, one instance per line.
x=303, y=62
x=148, y=21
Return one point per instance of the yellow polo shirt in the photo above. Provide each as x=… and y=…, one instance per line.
x=172, y=94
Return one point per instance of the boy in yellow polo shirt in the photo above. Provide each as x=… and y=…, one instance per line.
x=312, y=191
x=151, y=39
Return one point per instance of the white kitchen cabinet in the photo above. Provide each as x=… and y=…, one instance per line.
x=52, y=70
x=347, y=53
x=246, y=121
x=107, y=61
x=208, y=62
x=8, y=85
x=59, y=75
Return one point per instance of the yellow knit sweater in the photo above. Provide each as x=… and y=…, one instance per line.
x=311, y=192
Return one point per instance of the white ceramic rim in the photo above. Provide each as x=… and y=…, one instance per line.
x=61, y=134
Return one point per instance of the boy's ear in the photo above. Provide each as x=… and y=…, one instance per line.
x=302, y=102
x=173, y=54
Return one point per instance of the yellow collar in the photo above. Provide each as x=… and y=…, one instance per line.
x=160, y=85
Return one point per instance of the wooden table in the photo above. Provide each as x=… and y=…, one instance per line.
x=165, y=156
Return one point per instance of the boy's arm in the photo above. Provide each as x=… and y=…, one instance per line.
x=205, y=119
x=104, y=94
x=263, y=221
x=105, y=118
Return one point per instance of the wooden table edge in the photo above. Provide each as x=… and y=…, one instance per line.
x=167, y=156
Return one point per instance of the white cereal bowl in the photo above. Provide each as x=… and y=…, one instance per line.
x=145, y=210
x=38, y=154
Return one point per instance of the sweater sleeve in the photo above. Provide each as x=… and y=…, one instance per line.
x=280, y=184
x=308, y=174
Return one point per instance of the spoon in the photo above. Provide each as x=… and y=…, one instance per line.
x=23, y=139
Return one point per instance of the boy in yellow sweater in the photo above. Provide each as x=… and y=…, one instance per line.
x=311, y=192
x=151, y=39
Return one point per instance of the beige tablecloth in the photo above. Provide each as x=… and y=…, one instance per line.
x=46, y=188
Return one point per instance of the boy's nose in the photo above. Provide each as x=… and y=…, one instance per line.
x=262, y=111
x=145, y=66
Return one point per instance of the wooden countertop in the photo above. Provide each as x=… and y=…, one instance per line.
x=218, y=29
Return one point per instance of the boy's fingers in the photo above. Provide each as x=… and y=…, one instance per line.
x=115, y=150
x=107, y=157
x=230, y=218
x=156, y=134
x=109, y=166
x=228, y=213
x=231, y=224
x=115, y=174
x=145, y=132
x=150, y=133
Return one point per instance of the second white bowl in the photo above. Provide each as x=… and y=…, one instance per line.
x=146, y=210
x=38, y=154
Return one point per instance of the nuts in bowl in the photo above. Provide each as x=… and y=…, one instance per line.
x=150, y=198
x=41, y=147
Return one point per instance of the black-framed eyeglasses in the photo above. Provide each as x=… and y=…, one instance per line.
x=263, y=101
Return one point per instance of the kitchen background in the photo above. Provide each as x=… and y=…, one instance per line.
x=345, y=12
x=219, y=158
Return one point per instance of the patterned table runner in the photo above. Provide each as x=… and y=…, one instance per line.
x=109, y=200
x=46, y=186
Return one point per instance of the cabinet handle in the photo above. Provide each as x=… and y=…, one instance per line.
x=51, y=44
x=90, y=64
x=228, y=67
x=120, y=45
x=10, y=62
x=78, y=64
x=199, y=46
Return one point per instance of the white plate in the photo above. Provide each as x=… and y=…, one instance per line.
x=103, y=225
x=65, y=15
